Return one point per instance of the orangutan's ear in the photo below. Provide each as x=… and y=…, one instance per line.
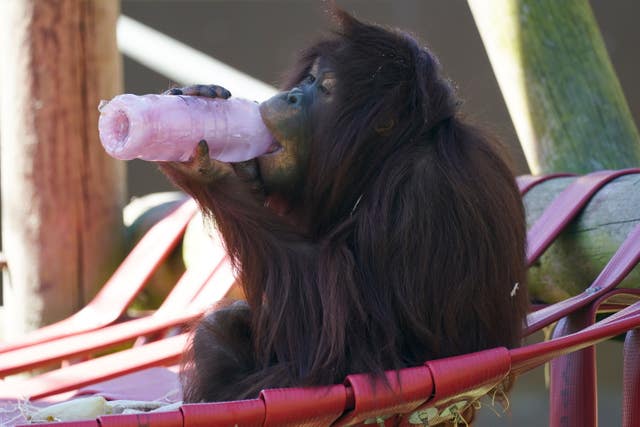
x=385, y=126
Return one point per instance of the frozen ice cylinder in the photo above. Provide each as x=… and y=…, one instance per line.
x=168, y=127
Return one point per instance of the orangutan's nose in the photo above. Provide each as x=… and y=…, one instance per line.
x=294, y=97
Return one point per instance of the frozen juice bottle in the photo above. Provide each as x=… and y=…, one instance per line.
x=168, y=127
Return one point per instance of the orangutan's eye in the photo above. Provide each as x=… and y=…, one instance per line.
x=328, y=84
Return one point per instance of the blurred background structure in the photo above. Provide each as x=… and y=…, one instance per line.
x=261, y=38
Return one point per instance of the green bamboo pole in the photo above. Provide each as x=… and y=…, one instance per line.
x=558, y=83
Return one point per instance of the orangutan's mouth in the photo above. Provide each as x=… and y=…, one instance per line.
x=274, y=148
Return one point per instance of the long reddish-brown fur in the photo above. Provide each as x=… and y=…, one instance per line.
x=403, y=242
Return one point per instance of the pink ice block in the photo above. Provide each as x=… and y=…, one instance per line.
x=168, y=127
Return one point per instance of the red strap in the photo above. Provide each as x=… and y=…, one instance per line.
x=527, y=182
x=165, y=352
x=118, y=292
x=572, y=387
x=620, y=265
x=631, y=380
x=83, y=423
x=526, y=358
x=51, y=352
x=452, y=377
x=312, y=406
x=564, y=208
x=148, y=419
x=217, y=283
x=572, y=390
x=403, y=392
x=241, y=413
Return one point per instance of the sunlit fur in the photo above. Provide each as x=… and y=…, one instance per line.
x=403, y=246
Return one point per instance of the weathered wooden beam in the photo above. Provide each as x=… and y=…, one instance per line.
x=62, y=197
x=576, y=258
x=561, y=90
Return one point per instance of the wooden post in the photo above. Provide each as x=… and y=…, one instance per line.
x=62, y=197
x=558, y=83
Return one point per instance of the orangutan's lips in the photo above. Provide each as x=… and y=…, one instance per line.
x=275, y=147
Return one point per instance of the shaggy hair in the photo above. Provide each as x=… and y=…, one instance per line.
x=402, y=244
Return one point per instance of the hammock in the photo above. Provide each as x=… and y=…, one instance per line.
x=437, y=391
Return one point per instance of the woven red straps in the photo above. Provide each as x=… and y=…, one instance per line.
x=118, y=292
x=573, y=392
x=564, y=208
x=622, y=262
